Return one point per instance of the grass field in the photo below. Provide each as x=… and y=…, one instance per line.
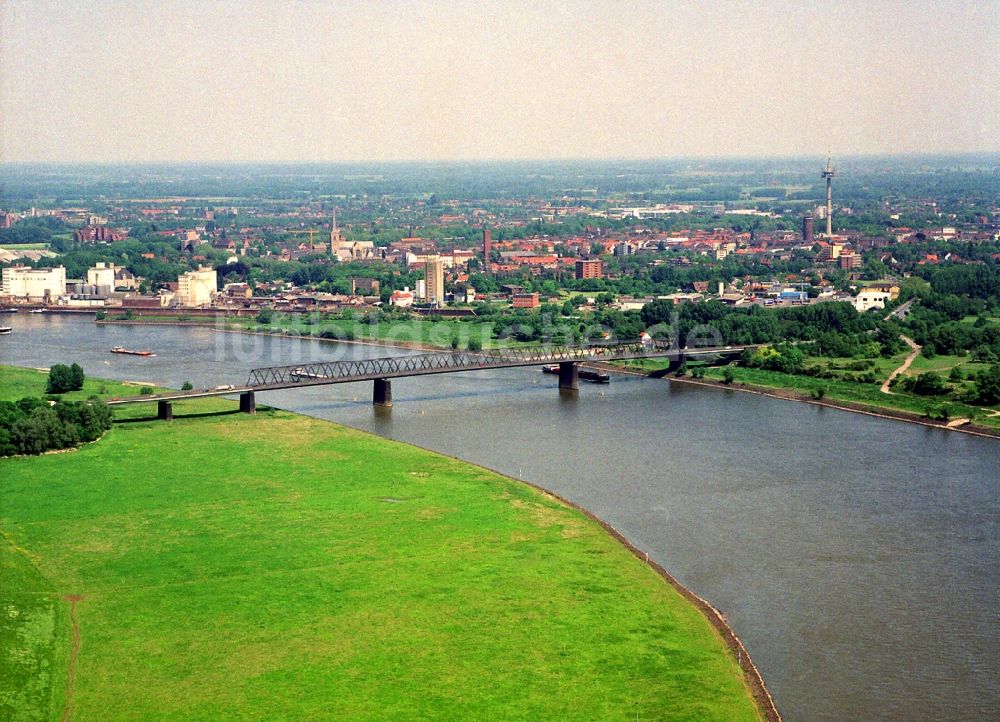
x=438, y=333
x=25, y=246
x=15, y=383
x=280, y=567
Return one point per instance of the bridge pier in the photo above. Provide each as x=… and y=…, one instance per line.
x=569, y=376
x=164, y=411
x=248, y=403
x=676, y=362
x=382, y=393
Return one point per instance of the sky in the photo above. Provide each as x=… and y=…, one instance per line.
x=312, y=80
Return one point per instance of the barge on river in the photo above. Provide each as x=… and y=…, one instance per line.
x=597, y=377
x=130, y=352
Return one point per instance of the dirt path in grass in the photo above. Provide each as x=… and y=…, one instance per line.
x=905, y=365
x=74, y=652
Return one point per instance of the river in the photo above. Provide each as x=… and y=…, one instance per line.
x=858, y=558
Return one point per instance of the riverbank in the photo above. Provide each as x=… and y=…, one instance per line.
x=788, y=394
x=417, y=332
x=373, y=591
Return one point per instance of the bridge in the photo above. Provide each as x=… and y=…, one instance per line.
x=382, y=370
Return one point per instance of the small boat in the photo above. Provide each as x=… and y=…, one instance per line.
x=5, y=330
x=8, y=310
x=37, y=310
x=597, y=377
x=119, y=349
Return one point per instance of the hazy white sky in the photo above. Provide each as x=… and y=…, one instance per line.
x=313, y=80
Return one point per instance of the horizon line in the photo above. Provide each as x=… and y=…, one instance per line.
x=535, y=159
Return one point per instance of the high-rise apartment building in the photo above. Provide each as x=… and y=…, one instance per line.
x=588, y=268
x=434, y=275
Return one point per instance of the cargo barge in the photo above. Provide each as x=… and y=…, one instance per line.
x=119, y=349
x=597, y=377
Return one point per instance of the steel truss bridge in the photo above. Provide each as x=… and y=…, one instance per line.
x=382, y=370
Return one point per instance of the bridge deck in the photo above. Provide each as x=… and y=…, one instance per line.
x=338, y=372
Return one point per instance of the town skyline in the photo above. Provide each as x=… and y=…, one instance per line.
x=256, y=82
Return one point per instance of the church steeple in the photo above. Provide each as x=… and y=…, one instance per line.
x=336, y=237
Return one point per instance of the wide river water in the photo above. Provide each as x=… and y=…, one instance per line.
x=858, y=558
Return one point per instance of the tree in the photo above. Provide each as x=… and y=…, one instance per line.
x=988, y=386
x=63, y=378
x=728, y=376
x=76, y=377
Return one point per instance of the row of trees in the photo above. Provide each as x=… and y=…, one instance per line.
x=33, y=426
x=833, y=328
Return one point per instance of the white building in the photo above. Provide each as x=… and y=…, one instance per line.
x=102, y=277
x=34, y=284
x=871, y=298
x=197, y=288
x=402, y=299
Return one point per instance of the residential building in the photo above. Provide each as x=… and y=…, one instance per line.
x=197, y=288
x=402, y=299
x=434, y=276
x=34, y=284
x=589, y=268
x=365, y=286
x=525, y=300
x=870, y=298
x=848, y=260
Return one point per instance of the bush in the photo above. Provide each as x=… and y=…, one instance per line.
x=926, y=384
x=146, y=391
x=475, y=344
x=64, y=378
x=728, y=376
x=187, y=386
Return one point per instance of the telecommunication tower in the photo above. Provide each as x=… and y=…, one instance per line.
x=829, y=173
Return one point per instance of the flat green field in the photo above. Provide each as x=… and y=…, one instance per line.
x=281, y=567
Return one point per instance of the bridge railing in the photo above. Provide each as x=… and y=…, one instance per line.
x=439, y=362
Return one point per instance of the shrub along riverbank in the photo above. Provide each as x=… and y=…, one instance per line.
x=276, y=566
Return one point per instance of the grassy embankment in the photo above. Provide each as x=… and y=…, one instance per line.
x=278, y=566
x=406, y=332
x=869, y=395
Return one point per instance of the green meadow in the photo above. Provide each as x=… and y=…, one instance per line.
x=226, y=566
